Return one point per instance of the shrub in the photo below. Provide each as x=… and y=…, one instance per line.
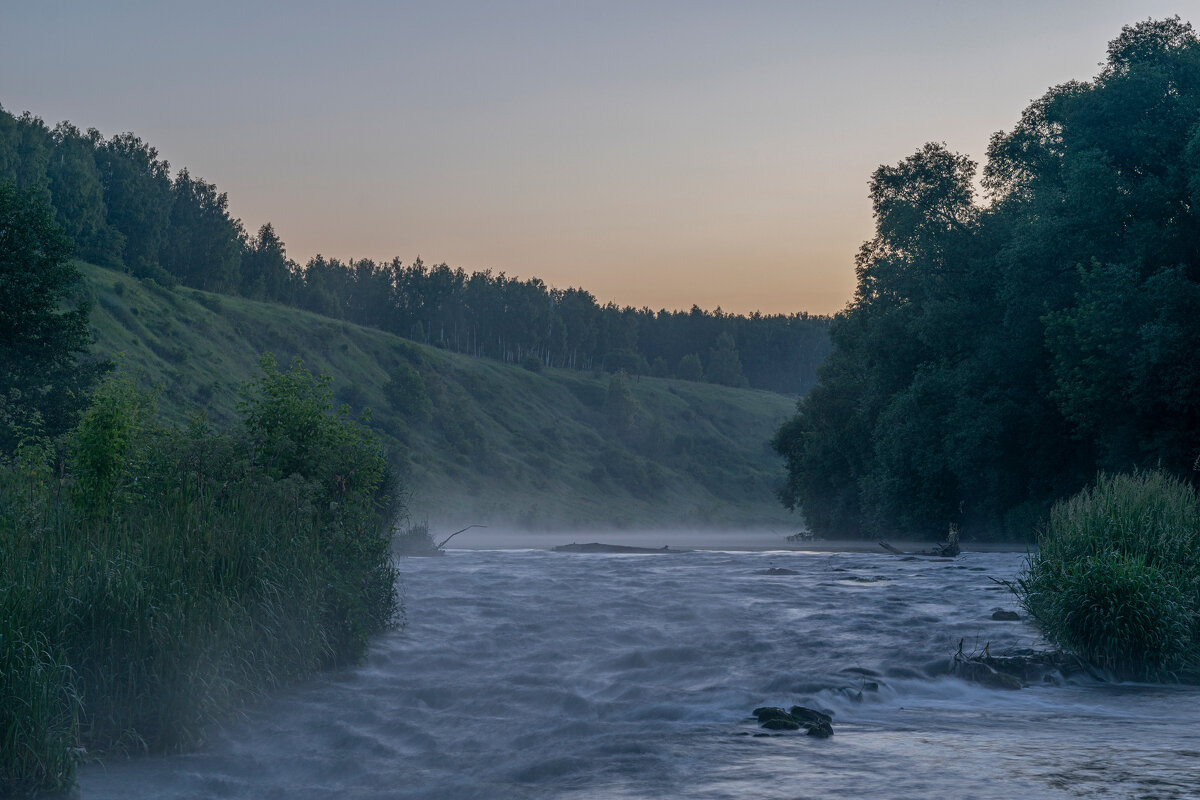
x=1116, y=578
x=690, y=368
x=620, y=406
x=406, y=393
x=153, y=578
x=353, y=395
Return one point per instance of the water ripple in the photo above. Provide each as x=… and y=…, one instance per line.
x=531, y=674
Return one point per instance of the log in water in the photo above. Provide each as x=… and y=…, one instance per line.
x=534, y=674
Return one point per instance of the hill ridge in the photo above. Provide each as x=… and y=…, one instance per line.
x=473, y=439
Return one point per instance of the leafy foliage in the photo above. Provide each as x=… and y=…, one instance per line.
x=1114, y=576
x=121, y=206
x=153, y=578
x=996, y=356
x=620, y=406
x=43, y=381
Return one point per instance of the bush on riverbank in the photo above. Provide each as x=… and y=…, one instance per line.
x=1116, y=579
x=153, y=578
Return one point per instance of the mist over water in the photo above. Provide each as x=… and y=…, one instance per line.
x=534, y=674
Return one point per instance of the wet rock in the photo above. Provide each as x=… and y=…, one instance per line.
x=777, y=571
x=822, y=730
x=977, y=671
x=1037, y=666
x=765, y=713
x=1000, y=615
x=781, y=724
x=815, y=723
x=1002, y=680
x=868, y=673
x=810, y=715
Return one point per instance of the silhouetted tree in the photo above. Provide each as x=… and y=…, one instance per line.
x=43, y=381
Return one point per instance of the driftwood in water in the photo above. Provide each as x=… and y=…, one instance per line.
x=416, y=540
x=946, y=549
x=456, y=533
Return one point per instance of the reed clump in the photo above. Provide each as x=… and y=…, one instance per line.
x=1116, y=577
x=153, y=578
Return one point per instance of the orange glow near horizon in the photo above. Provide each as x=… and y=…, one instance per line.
x=663, y=155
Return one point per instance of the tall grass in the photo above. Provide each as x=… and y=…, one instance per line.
x=152, y=579
x=1116, y=578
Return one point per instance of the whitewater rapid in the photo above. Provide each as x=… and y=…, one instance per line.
x=535, y=674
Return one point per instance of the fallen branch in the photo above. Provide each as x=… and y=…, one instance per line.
x=456, y=533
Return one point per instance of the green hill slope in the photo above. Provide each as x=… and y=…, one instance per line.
x=474, y=440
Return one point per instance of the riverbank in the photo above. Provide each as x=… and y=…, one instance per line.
x=154, y=579
x=497, y=538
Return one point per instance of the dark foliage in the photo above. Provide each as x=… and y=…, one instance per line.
x=120, y=206
x=43, y=329
x=152, y=578
x=996, y=356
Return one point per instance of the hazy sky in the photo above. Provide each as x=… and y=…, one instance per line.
x=656, y=153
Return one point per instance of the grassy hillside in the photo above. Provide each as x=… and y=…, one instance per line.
x=475, y=440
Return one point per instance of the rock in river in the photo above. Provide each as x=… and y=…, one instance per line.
x=815, y=723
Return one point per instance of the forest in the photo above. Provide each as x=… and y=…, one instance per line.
x=122, y=207
x=1002, y=350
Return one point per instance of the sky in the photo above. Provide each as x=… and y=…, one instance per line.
x=658, y=154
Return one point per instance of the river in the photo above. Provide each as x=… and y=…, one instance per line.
x=525, y=673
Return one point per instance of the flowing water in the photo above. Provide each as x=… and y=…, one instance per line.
x=534, y=674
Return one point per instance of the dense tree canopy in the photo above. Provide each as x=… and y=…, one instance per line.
x=120, y=205
x=43, y=383
x=997, y=355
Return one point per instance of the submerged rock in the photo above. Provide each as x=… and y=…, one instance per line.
x=867, y=673
x=776, y=571
x=815, y=723
x=600, y=547
x=994, y=679
x=1000, y=615
x=810, y=715
x=977, y=670
x=1037, y=666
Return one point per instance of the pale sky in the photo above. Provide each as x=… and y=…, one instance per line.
x=659, y=154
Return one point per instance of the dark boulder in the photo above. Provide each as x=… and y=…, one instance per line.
x=815, y=723
x=822, y=730
x=781, y=724
x=810, y=715
x=765, y=713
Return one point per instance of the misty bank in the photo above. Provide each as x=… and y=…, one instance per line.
x=154, y=578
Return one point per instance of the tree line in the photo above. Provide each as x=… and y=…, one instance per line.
x=997, y=354
x=121, y=206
